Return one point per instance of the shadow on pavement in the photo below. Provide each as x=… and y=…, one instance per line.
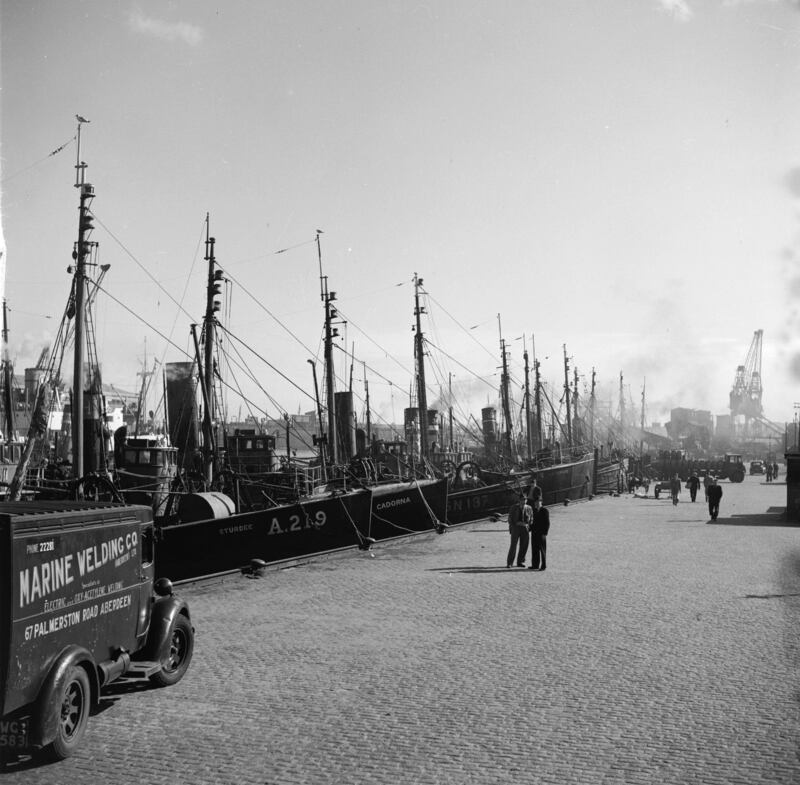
x=764, y=519
x=109, y=696
x=479, y=569
x=11, y=762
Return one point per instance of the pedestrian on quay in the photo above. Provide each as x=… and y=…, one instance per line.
x=706, y=482
x=775, y=471
x=714, y=498
x=534, y=492
x=519, y=517
x=675, y=488
x=540, y=526
x=769, y=472
x=694, y=484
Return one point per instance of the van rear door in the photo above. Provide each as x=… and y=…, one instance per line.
x=76, y=579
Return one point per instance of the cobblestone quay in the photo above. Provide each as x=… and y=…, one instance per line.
x=658, y=647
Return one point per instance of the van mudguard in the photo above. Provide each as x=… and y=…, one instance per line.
x=46, y=714
x=162, y=615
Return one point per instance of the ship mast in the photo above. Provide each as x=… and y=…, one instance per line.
x=369, y=416
x=319, y=423
x=142, y=398
x=8, y=378
x=641, y=437
x=504, y=393
x=566, y=392
x=80, y=255
x=527, y=405
x=592, y=402
x=450, y=408
x=330, y=333
x=537, y=399
x=213, y=292
x=578, y=425
x=419, y=356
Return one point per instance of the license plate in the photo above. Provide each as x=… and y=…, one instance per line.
x=14, y=733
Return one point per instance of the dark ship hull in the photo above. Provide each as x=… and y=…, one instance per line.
x=560, y=483
x=223, y=542
x=220, y=540
x=400, y=508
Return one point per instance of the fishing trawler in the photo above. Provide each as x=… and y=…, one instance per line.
x=215, y=511
x=199, y=530
x=223, y=500
x=488, y=482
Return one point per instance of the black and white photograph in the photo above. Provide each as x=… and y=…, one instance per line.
x=400, y=393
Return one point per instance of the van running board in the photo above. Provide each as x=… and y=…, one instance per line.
x=142, y=670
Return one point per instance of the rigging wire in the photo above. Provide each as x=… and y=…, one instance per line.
x=266, y=310
x=143, y=268
x=186, y=285
x=250, y=375
x=461, y=365
x=58, y=149
x=467, y=331
x=311, y=353
x=239, y=340
x=292, y=247
x=376, y=344
x=227, y=362
x=267, y=362
x=278, y=321
x=440, y=375
x=146, y=323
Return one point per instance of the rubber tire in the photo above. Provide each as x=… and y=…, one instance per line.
x=74, y=708
x=176, y=661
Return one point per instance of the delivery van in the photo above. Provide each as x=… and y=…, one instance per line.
x=79, y=608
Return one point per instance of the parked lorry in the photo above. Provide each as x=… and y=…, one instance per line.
x=731, y=467
x=661, y=470
x=79, y=608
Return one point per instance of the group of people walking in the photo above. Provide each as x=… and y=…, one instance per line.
x=529, y=520
x=528, y=523
x=712, y=489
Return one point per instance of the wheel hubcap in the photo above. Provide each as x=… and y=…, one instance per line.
x=176, y=651
x=72, y=708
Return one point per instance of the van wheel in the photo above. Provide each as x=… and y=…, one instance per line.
x=74, y=708
x=178, y=654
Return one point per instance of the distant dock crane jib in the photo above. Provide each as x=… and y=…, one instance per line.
x=747, y=388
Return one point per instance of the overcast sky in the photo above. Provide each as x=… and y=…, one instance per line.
x=620, y=178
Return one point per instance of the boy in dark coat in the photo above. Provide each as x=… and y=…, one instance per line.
x=540, y=526
x=714, y=497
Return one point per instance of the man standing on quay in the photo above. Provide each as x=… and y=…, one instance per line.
x=540, y=526
x=519, y=517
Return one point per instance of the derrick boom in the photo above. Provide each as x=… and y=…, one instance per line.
x=745, y=397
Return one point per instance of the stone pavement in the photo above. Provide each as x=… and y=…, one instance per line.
x=657, y=648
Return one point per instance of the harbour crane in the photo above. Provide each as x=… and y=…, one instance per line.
x=745, y=398
x=41, y=363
